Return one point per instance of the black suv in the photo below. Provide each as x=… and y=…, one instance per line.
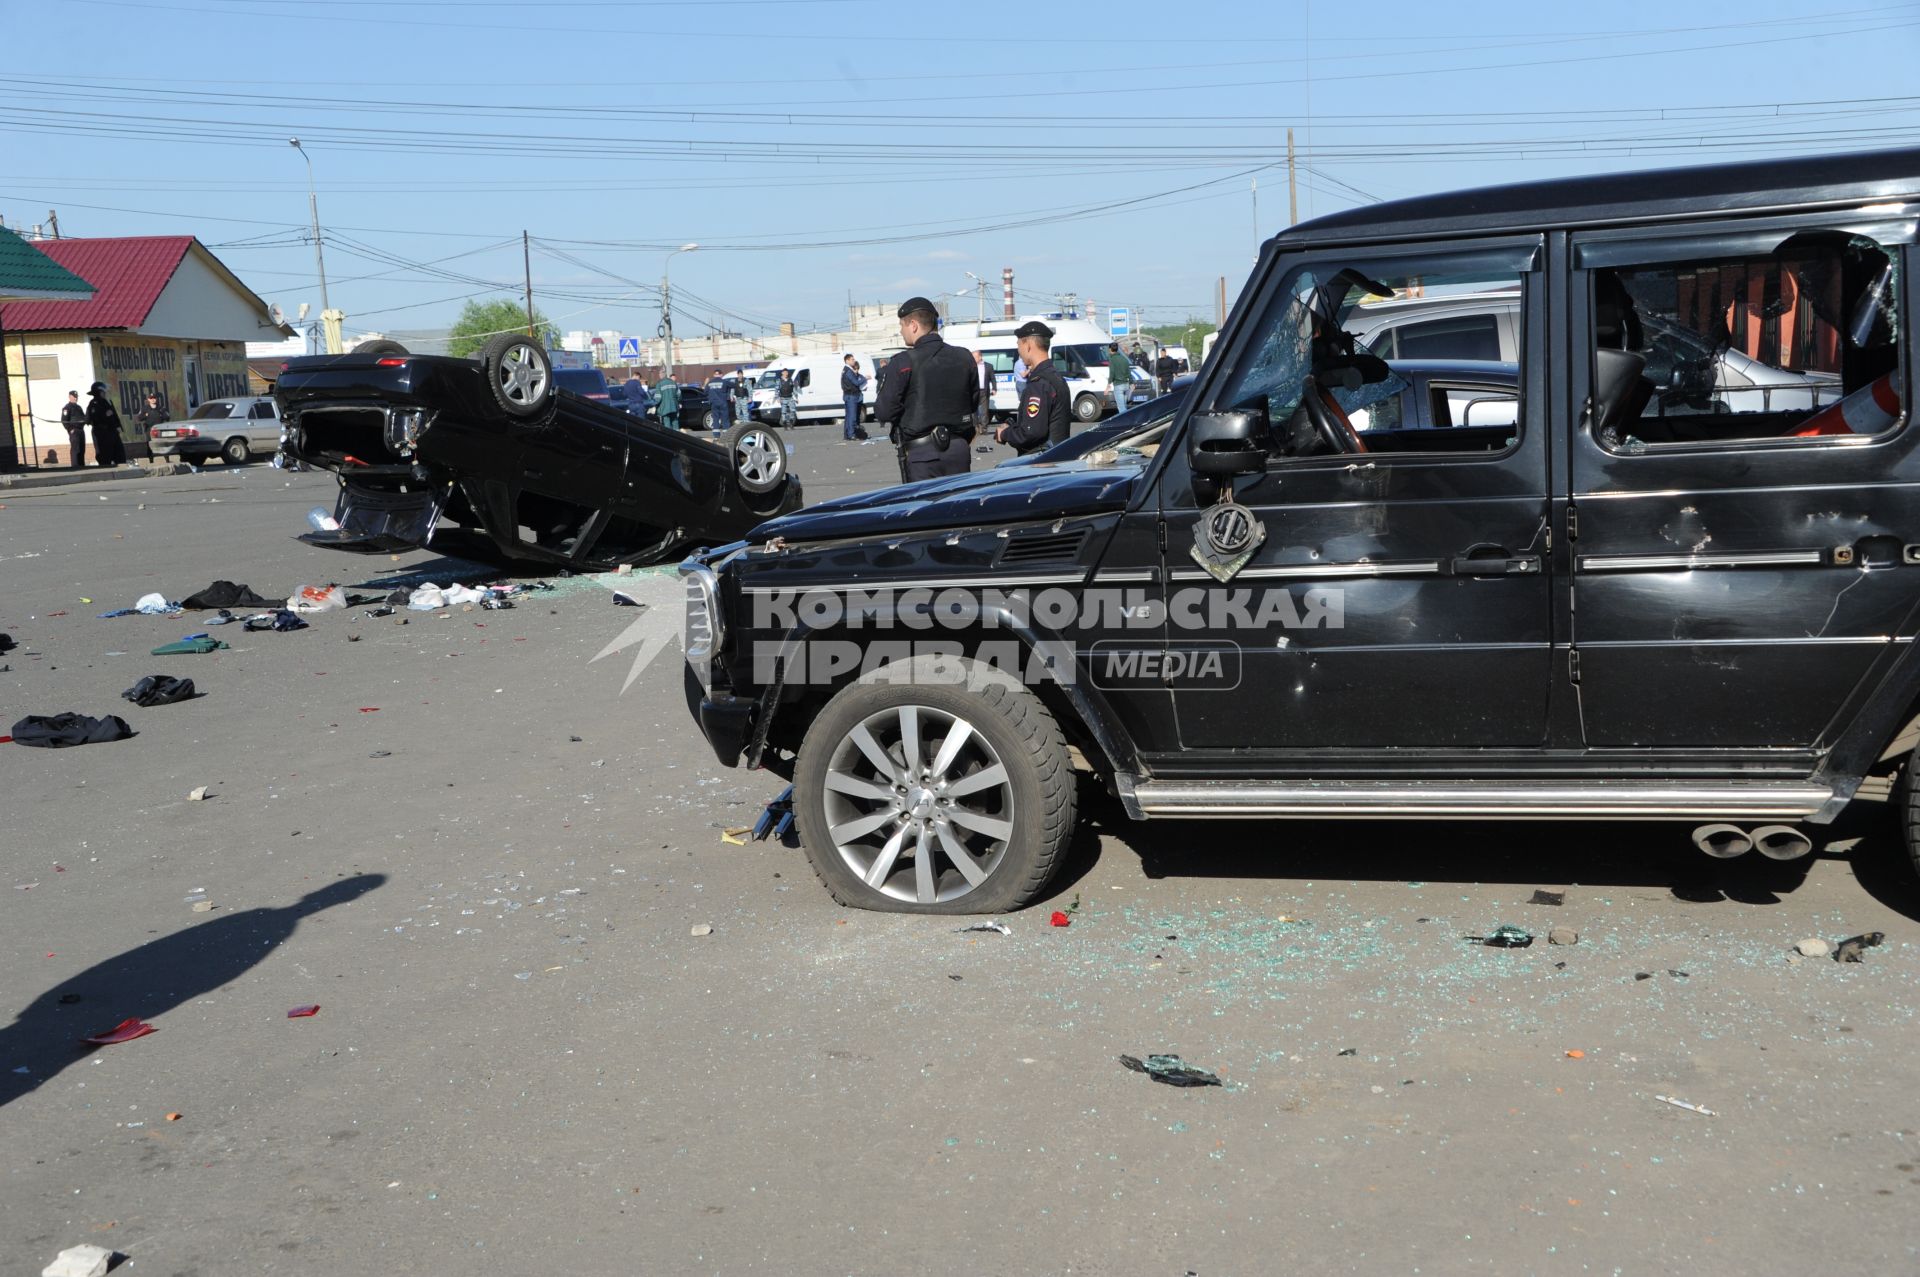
x=1609, y=579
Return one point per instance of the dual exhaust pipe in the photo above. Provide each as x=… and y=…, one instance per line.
x=1775, y=842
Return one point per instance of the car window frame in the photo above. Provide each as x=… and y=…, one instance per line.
x=1652, y=246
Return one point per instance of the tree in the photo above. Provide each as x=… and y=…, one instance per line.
x=1189, y=334
x=481, y=320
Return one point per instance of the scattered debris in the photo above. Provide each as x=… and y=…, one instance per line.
x=1504, y=937
x=225, y=594
x=302, y=1012
x=203, y=906
x=777, y=819
x=189, y=647
x=174, y=1117
x=1351, y=1051
x=702, y=929
x=84, y=1260
x=317, y=598
x=159, y=689
x=1813, y=947
x=125, y=1031
x=1000, y=927
x=156, y=605
x=1851, y=949
x=1682, y=1104
x=1677, y=974
x=59, y=731
x=1563, y=935
x=1060, y=919
x=736, y=837
x=198, y=794
x=622, y=599
x=1643, y=975
x=1548, y=897
x=381, y=753
x=1170, y=1069
x=1576, y=1055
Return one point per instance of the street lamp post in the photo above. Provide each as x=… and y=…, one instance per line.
x=666, y=303
x=319, y=258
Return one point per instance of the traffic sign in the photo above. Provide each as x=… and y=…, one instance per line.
x=1119, y=321
x=629, y=348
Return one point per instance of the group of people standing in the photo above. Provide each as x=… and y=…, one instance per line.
x=103, y=419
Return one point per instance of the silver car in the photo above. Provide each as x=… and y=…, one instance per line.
x=236, y=429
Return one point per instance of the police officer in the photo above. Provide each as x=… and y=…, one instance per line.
x=926, y=398
x=150, y=416
x=1043, y=418
x=74, y=418
x=108, y=450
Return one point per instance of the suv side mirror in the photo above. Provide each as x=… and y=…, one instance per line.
x=1223, y=444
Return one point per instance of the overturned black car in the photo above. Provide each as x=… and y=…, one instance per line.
x=518, y=468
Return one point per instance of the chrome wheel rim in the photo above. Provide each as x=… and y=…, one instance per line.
x=522, y=374
x=918, y=804
x=757, y=458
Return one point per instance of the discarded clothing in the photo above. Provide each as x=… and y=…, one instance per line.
x=119, y=611
x=159, y=689
x=1170, y=1069
x=189, y=647
x=156, y=605
x=225, y=594
x=58, y=731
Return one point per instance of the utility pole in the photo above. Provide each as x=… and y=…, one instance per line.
x=666, y=304
x=1293, y=190
x=53, y=223
x=526, y=264
x=329, y=322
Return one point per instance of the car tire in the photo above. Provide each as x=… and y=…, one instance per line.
x=519, y=374
x=235, y=452
x=380, y=346
x=758, y=457
x=1010, y=732
x=1087, y=408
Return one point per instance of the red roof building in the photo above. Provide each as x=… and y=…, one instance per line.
x=166, y=318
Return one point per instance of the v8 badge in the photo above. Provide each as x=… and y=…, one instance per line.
x=1226, y=537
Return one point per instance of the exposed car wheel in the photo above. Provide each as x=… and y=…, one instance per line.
x=702, y=419
x=519, y=373
x=1086, y=408
x=759, y=458
x=933, y=796
x=380, y=346
x=235, y=452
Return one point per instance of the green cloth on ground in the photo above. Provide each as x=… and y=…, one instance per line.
x=189, y=647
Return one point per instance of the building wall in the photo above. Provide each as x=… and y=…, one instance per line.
x=198, y=303
x=182, y=373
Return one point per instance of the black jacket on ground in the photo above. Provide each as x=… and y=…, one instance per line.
x=1044, y=418
x=929, y=385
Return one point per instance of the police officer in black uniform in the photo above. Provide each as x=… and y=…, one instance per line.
x=1043, y=418
x=926, y=398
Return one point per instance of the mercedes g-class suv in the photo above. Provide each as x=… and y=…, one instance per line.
x=1594, y=581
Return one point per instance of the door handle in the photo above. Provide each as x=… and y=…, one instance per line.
x=1494, y=561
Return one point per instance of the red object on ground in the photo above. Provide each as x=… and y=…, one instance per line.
x=369, y=709
x=301, y=1013
x=6, y=740
x=1060, y=919
x=125, y=1031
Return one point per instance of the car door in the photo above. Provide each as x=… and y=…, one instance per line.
x=1400, y=597
x=1743, y=564
x=263, y=426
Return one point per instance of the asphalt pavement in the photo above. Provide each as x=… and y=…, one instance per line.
x=485, y=862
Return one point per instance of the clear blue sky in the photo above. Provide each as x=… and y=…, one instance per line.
x=780, y=133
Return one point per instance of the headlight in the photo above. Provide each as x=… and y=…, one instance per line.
x=404, y=428
x=706, y=629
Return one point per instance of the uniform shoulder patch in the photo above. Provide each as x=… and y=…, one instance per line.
x=1033, y=407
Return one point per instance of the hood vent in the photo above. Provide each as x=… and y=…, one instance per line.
x=1043, y=547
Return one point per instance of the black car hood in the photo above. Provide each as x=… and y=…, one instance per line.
x=1019, y=494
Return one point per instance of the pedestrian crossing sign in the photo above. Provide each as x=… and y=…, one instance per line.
x=629, y=348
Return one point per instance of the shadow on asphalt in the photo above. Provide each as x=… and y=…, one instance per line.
x=149, y=981
x=1528, y=854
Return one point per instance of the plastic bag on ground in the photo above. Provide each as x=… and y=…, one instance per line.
x=427, y=598
x=317, y=598
x=457, y=595
x=156, y=605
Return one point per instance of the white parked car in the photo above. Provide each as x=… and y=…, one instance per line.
x=1079, y=352
x=816, y=381
x=236, y=429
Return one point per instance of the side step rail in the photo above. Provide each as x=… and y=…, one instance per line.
x=1391, y=800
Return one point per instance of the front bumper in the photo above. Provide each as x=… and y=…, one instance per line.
x=727, y=722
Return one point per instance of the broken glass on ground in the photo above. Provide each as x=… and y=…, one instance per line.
x=1170, y=1069
x=1504, y=937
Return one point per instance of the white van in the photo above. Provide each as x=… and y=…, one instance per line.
x=1079, y=352
x=817, y=383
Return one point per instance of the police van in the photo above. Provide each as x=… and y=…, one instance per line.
x=1079, y=352
x=816, y=379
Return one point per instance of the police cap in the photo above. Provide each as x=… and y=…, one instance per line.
x=917, y=306
x=1034, y=328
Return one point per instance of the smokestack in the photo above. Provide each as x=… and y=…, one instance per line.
x=1006, y=289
